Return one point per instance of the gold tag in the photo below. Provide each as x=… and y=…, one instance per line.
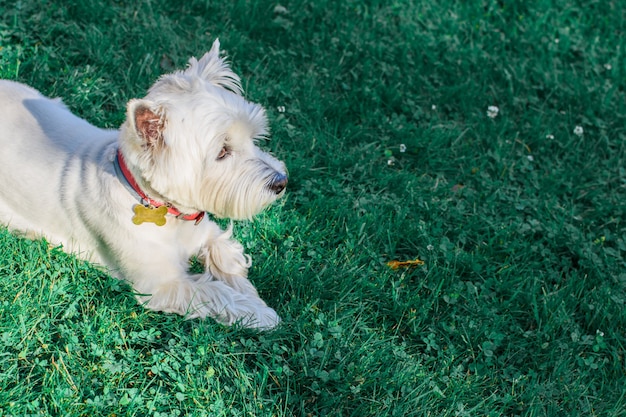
x=154, y=215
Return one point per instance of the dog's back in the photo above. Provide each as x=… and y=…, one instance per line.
x=43, y=157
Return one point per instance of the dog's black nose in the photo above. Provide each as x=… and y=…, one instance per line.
x=278, y=183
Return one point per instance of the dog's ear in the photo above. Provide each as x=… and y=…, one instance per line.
x=215, y=70
x=147, y=122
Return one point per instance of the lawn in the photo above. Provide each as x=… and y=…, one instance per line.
x=485, y=138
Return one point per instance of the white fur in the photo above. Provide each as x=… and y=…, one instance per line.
x=58, y=181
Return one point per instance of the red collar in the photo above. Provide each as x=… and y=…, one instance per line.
x=122, y=168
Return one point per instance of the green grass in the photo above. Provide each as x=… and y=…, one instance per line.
x=519, y=308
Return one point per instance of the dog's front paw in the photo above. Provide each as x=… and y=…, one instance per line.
x=224, y=256
x=262, y=319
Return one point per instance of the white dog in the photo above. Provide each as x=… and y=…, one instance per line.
x=134, y=199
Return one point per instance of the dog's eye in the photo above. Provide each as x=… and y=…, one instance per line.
x=223, y=153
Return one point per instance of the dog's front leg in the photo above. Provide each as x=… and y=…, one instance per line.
x=226, y=273
x=223, y=257
x=200, y=295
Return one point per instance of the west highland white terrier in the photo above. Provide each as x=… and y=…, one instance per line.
x=134, y=199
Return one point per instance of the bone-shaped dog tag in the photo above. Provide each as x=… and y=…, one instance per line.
x=145, y=214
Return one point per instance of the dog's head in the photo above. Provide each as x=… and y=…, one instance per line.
x=192, y=142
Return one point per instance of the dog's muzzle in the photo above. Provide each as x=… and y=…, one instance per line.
x=278, y=183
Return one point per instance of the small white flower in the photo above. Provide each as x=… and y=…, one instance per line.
x=390, y=162
x=402, y=148
x=279, y=9
x=281, y=109
x=600, y=333
x=556, y=40
x=430, y=247
x=608, y=66
x=492, y=111
x=578, y=131
x=530, y=158
x=550, y=136
x=433, y=107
